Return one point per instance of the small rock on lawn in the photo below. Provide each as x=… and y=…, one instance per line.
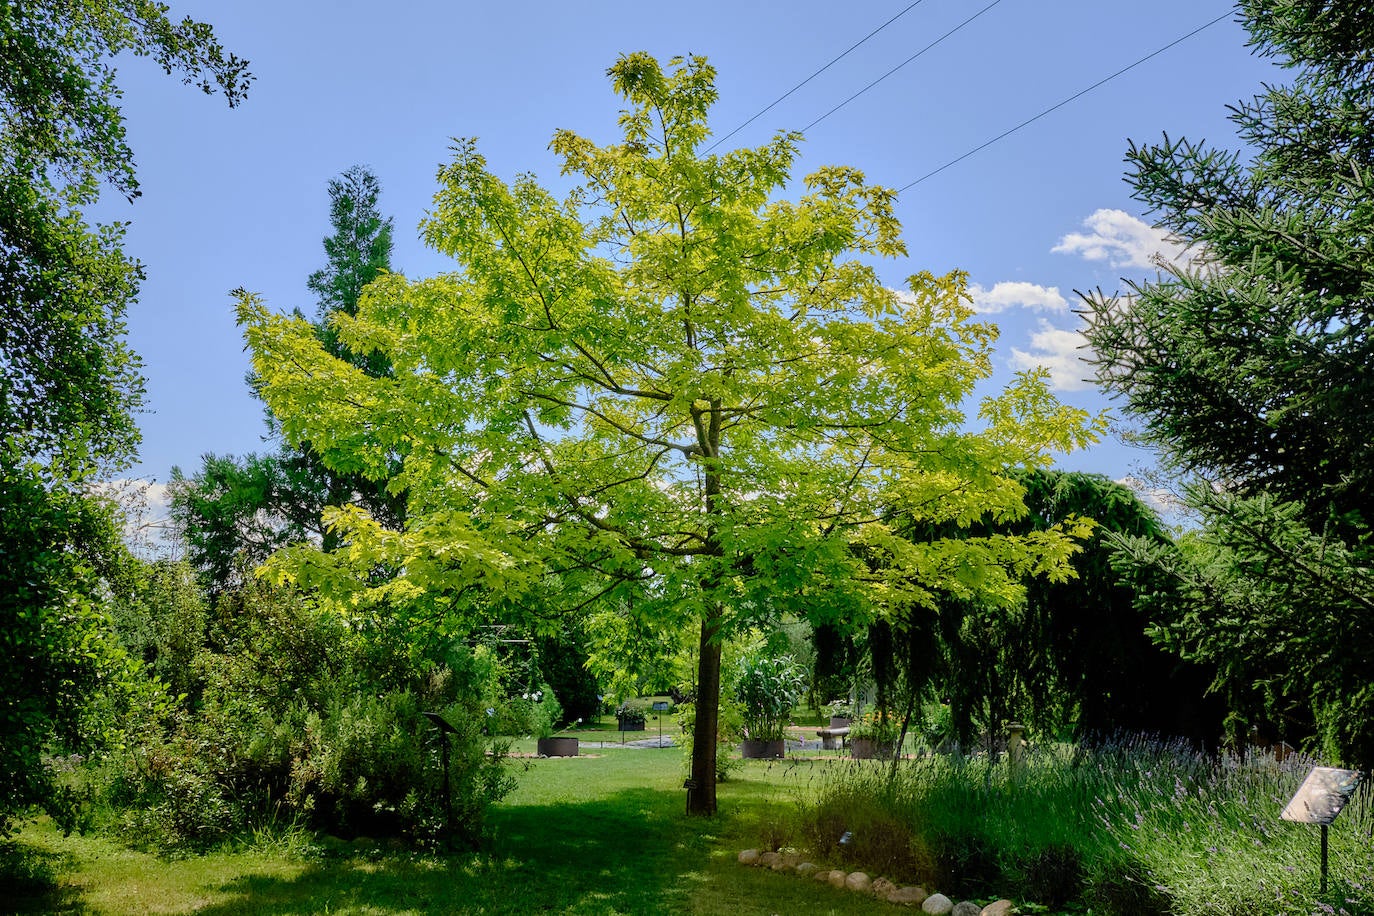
x=908, y=896
x=938, y=905
x=858, y=881
x=1000, y=908
x=966, y=908
x=749, y=857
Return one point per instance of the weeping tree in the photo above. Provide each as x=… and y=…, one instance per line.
x=1077, y=656
x=673, y=389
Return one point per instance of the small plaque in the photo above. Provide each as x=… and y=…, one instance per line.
x=660, y=706
x=440, y=723
x=1321, y=796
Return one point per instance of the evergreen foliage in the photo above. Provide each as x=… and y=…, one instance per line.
x=235, y=512
x=1250, y=366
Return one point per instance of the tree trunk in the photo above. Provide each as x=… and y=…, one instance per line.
x=701, y=788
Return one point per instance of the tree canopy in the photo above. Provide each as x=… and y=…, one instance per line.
x=673, y=385
x=68, y=382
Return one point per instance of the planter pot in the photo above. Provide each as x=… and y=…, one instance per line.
x=557, y=747
x=634, y=725
x=762, y=750
x=839, y=721
x=869, y=749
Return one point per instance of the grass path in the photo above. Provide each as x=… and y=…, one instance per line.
x=589, y=835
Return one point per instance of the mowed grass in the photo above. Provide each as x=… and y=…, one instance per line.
x=602, y=833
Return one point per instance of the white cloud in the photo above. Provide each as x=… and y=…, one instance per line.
x=1161, y=499
x=1062, y=353
x=144, y=505
x=1123, y=241
x=1008, y=295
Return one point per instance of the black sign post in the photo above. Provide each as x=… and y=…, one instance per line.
x=1319, y=799
x=445, y=729
x=660, y=707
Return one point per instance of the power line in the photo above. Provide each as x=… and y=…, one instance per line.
x=832, y=62
x=1053, y=108
x=901, y=65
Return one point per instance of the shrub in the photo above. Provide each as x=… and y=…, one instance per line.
x=630, y=714
x=305, y=720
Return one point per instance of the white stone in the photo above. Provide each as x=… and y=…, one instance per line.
x=912, y=895
x=938, y=905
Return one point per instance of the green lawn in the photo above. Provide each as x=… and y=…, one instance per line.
x=600, y=833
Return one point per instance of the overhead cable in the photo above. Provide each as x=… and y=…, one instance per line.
x=832, y=62
x=1053, y=108
x=901, y=65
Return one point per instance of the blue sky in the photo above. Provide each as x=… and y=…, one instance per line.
x=237, y=198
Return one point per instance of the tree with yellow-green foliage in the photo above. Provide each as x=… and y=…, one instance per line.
x=674, y=391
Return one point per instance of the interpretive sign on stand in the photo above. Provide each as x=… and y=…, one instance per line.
x=1319, y=799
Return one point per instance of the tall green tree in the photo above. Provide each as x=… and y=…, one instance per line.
x=1077, y=656
x=68, y=381
x=236, y=511
x=672, y=385
x=1251, y=368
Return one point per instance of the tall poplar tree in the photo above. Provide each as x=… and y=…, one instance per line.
x=674, y=389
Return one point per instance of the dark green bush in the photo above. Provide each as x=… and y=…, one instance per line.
x=302, y=717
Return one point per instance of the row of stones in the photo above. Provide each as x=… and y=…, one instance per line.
x=883, y=889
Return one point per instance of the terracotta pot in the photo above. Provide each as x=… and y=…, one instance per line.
x=557, y=747
x=762, y=750
x=869, y=749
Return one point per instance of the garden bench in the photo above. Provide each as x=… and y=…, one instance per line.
x=832, y=739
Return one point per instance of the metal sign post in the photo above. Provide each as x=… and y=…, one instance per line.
x=1319, y=799
x=660, y=707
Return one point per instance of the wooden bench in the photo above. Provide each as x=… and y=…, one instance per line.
x=832, y=739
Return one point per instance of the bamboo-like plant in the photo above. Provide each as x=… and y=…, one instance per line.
x=769, y=686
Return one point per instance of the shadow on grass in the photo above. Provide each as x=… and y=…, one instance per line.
x=29, y=881
x=627, y=852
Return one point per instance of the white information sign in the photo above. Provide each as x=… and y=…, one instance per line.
x=1321, y=796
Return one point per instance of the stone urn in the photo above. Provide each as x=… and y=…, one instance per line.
x=630, y=723
x=762, y=750
x=870, y=749
x=839, y=721
x=557, y=747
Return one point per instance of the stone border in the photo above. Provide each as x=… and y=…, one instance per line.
x=791, y=862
